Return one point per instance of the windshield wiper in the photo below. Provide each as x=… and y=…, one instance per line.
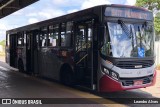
x=139, y=30
x=128, y=32
x=124, y=28
x=131, y=34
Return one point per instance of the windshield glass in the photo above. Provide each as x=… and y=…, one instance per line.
x=129, y=40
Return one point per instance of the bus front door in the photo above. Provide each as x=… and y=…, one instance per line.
x=83, y=54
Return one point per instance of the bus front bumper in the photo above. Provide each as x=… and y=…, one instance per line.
x=107, y=84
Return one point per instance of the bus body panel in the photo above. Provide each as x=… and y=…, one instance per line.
x=51, y=60
x=129, y=73
x=107, y=84
x=126, y=77
x=7, y=57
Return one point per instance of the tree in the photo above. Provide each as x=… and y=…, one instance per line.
x=154, y=6
x=157, y=26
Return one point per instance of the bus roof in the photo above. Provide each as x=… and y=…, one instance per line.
x=71, y=17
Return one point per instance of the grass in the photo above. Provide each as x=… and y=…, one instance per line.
x=3, y=42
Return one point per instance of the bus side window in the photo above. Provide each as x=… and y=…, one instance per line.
x=24, y=41
x=63, y=34
x=69, y=34
x=43, y=37
x=44, y=40
x=66, y=34
x=40, y=42
x=20, y=41
x=53, y=35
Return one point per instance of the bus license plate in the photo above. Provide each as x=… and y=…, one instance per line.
x=138, y=82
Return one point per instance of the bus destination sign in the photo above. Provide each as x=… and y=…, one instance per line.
x=128, y=13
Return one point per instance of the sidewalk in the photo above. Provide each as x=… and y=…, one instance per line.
x=2, y=58
x=154, y=90
x=4, y=65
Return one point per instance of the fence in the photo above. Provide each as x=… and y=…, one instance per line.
x=157, y=52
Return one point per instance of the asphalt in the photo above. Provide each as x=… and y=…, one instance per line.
x=14, y=84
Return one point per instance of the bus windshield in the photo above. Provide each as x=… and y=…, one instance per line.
x=129, y=40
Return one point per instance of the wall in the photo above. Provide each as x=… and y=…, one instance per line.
x=157, y=52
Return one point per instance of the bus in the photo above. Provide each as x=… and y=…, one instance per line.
x=105, y=48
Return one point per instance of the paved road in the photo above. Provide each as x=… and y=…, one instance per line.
x=17, y=85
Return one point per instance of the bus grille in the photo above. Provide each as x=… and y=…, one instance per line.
x=135, y=64
x=130, y=82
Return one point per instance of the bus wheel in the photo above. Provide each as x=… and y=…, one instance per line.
x=67, y=77
x=20, y=66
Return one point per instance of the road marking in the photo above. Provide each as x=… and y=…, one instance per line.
x=78, y=93
x=92, y=96
x=82, y=94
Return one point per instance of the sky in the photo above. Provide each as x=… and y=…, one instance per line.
x=47, y=9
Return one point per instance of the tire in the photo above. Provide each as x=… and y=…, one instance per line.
x=20, y=66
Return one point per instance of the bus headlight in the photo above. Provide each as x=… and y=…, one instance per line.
x=106, y=71
x=110, y=73
x=114, y=75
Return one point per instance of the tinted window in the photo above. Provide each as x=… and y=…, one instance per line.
x=63, y=34
x=43, y=37
x=20, y=39
x=53, y=35
x=69, y=32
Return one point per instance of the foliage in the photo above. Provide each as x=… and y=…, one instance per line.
x=157, y=23
x=3, y=42
x=154, y=6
